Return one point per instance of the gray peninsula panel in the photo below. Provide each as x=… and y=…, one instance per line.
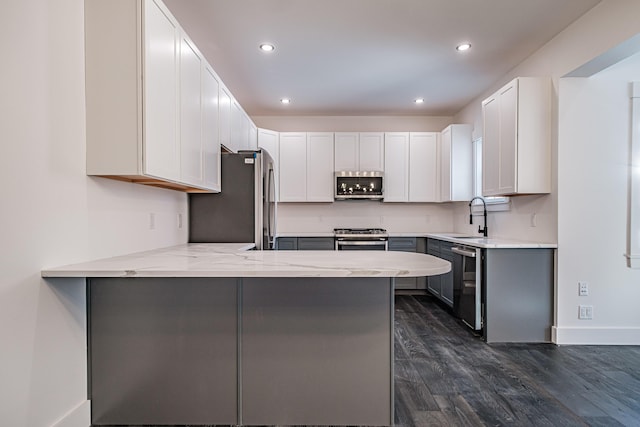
x=163, y=351
x=317, y=351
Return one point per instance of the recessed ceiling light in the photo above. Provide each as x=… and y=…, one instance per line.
x=462, y=47
x=285, y=101
x=419, y=100
x=267, y=47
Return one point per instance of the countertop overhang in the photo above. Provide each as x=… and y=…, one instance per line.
x=234, y=260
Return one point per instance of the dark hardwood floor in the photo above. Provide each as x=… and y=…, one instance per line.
x=446, y=376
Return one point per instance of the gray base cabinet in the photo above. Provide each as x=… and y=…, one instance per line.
x=305, y=243
x=441, y=286
x=409, y=244
x=316, y=352
x=163, y=351
x=518, y=295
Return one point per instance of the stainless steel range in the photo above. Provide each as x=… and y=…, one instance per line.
x=361, y=239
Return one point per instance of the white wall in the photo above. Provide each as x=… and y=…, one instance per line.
x=53, y=214
x=593, y=151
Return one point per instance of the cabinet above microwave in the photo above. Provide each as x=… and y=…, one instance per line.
x=358, y=185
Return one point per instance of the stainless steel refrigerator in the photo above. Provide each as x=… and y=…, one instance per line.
x=245, y=209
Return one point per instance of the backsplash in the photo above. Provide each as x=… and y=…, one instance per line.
x=394, y=217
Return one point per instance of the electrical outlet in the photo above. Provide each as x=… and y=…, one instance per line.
x=152, y=221
x=179, y=220
x=534, y=219
x=585, y=312
x=583, y=289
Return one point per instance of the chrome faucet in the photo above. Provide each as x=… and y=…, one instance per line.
x=480, y=229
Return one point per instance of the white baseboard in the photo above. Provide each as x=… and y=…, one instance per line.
x=80, y=416
x=596, y=336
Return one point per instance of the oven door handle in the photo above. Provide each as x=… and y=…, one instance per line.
x=361, y=242
x=463, y=252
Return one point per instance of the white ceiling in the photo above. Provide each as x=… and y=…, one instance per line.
x=368, y=57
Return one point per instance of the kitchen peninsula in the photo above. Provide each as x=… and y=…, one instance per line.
x=216, y=334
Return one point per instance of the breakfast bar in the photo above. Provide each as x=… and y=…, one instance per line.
x=217, y=334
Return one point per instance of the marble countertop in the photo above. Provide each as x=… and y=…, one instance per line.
x=220, y=260
x=489, y=242
x=463, y=239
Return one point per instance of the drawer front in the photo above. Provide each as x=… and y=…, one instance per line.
x=287, y=243
x=405, y=244
x=316, y=244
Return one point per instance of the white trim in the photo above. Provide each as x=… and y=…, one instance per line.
x=80, y=416
x=596, y=335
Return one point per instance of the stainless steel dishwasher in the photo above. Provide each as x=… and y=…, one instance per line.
x=467, y=285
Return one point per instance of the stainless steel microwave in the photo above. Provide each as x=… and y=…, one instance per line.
x=358, y=185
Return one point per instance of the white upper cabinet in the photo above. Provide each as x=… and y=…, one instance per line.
x=210, y=129
x=356, y=151
x=423, y=167
x=347, y=151
x=253, y=136
x=224, y=113
x=160, y=66
x=191, y=153
x=306, y=167
x=411, y=167
x=456, y=163
x=371, y=151
x=516, y=147
x=396, y=167
x=152, y=100
x=320, y=167
x=293, y=167
x=269, y=140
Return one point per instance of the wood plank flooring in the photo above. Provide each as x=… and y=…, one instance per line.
x=446, y=376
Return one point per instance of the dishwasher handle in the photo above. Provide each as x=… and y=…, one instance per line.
x=463, y=252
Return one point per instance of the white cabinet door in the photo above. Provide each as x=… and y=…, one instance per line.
x=396, y=167
x=371, y=156
x=347, y=151
x=516, y=145
x=320, y=167
x=253, y=136
x=210, y=129
x=491, y=146
x=225, y=118
x=456, y=163
x=508, y=102
x=445, y=165
x=293, y=167
x=161, y=40
x=423, y=167
x=237, y=141
x=191, y=167
x=269, y=141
